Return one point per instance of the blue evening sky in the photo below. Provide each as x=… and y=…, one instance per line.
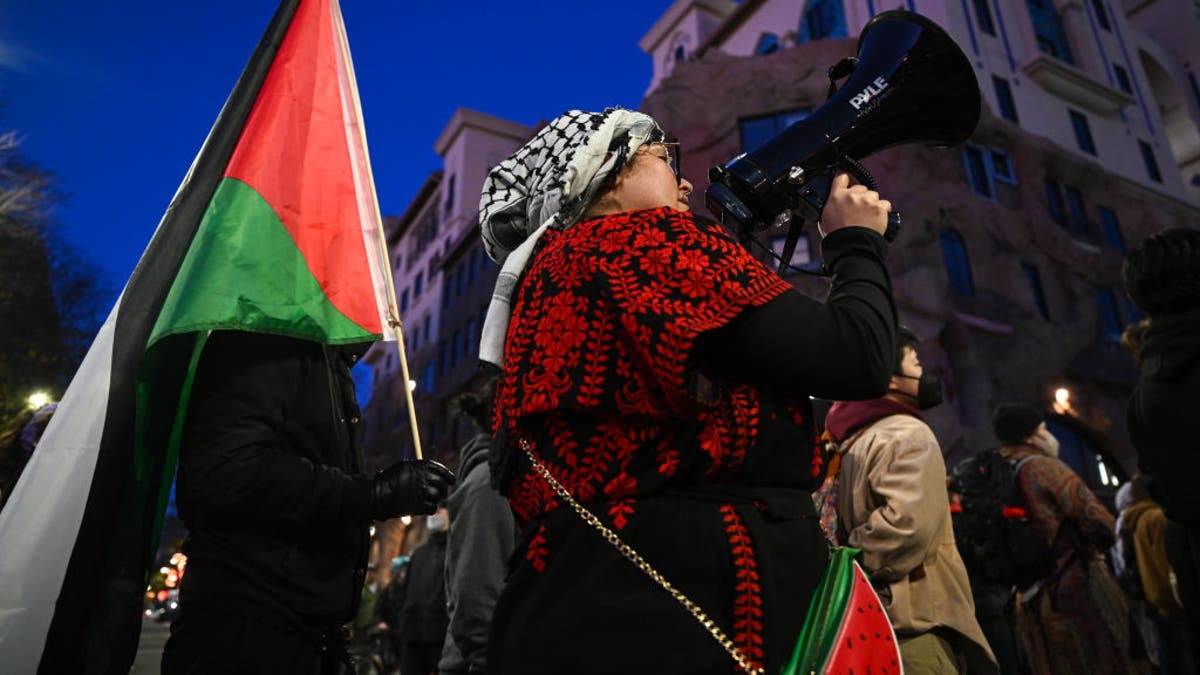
x=115, y=98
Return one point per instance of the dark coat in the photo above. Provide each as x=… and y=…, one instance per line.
x=270, y=482
x=1165, y=429
x=1162, y=414
x=424, y=610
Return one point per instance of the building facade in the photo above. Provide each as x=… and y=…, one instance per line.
x=1008, y=264
x=444, y=281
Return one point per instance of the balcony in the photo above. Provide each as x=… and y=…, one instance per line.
x=1071, y=84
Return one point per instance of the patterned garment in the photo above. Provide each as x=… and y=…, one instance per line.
x=548, y=183
x=1078, y=622
x=596, y=373
x=597, y=378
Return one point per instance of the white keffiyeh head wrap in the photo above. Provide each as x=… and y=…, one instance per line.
x=549, y=182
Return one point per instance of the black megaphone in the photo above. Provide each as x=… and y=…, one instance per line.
x=910, y=83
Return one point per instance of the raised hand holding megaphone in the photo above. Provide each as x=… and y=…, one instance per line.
x=910, y=83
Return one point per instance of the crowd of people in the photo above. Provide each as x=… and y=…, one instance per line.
x=652, y=489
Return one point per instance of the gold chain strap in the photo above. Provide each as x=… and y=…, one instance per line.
x=626, y=550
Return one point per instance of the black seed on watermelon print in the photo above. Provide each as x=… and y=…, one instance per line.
x=862, y=637
x=849, y=643
x=860, y=610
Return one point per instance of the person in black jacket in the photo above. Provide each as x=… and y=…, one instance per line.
x=424, y=612
x=1162, y=276
x=272, y=488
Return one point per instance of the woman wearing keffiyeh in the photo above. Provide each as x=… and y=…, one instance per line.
x=662, y=375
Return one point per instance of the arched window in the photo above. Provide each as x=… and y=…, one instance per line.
x=680, y=53
x=768, y=43
x=958, y=265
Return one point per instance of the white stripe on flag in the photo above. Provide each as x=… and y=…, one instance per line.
x=40, y=522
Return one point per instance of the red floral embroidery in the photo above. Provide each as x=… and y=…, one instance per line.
x=668, y=462
x=747, y=603
x=596, y=357
x=536, y=554
x=620, y=511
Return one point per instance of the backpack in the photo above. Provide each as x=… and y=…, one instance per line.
x=994, y=533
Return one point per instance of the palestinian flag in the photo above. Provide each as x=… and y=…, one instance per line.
x=274, y=229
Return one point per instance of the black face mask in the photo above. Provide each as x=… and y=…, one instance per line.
x=929, y=389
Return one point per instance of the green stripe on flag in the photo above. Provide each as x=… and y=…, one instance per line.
x=244, y=272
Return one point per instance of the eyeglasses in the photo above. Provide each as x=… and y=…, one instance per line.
x=670, y=156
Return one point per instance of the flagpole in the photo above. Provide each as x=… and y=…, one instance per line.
x=393, y=313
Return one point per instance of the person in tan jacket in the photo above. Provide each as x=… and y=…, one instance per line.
x=892, y=503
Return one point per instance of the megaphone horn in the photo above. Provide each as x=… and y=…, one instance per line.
x=911, y=84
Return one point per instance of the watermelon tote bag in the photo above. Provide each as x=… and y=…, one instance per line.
x=846, y=630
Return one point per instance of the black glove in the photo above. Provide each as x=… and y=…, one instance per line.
x=408, y=488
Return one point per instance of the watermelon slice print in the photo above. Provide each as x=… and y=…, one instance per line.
x=847, y=631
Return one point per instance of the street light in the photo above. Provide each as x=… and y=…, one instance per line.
x=1062, y=401
x=38, y=399
x=412, y=385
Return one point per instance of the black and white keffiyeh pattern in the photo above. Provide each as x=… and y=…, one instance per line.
x=549, y=182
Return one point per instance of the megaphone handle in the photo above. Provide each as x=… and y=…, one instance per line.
x=860, y=173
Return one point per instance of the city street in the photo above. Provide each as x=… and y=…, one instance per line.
x=149, y=655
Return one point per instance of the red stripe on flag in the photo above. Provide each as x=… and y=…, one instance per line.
x=294, y=152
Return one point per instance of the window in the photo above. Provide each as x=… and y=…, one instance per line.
x=1054, y=202
x=460, y=280
x=823, y=19
x=1004, y=99
x=450, y=195
x=1101, y=15
x=1122, y=79
x=1002, y=168
x=472, y=338
x=1112, y=229
x=984, y=167
x=983, y=15
x=473, y=266
x=443, y=360
x=1035, y=287
x=958, y=267
x=415, y=342
x=1048, y=26
x=768, y=43
x=978, y=176
x=1109, y=315
x=1083, y=133
x=404, y=301
x=1151, y=163
x=801, y=256
x=680, y=53
x=1077, y=212
x=758, y=130
x=418, y=284
x=455, y=347
x=447, y=289
x=427, y=328
x=428, y=378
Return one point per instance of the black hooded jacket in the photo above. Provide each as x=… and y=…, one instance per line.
x=271, y=482
x=1164, y=417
